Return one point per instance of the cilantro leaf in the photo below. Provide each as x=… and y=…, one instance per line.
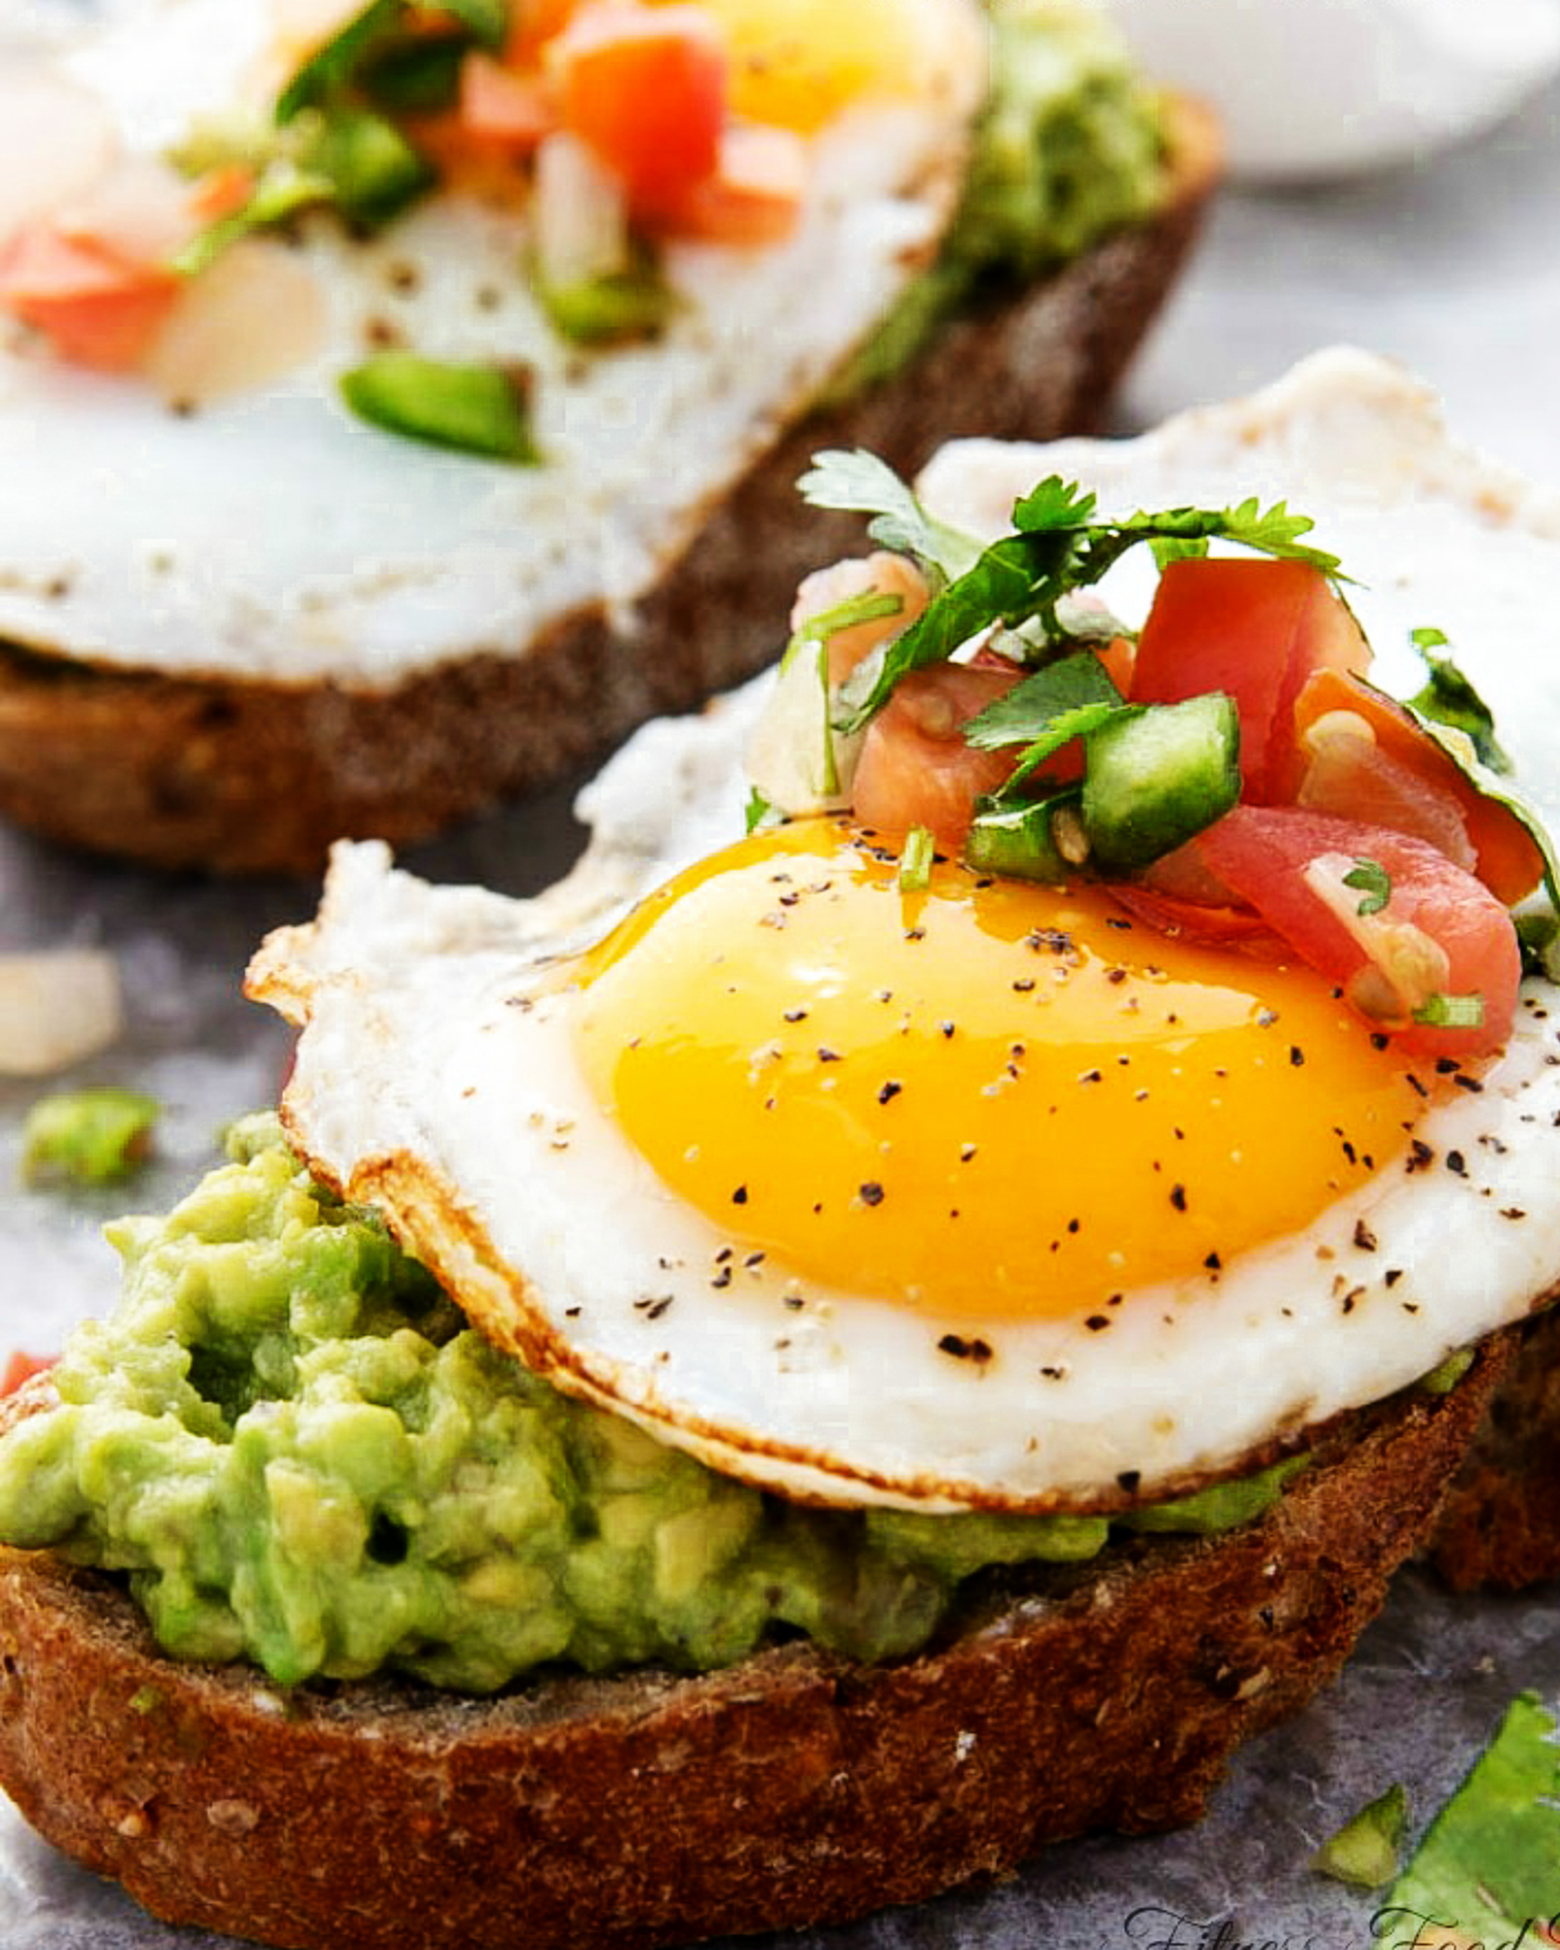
x=1054, y=504
x=1030, y=709
x=1372, y=882
x=1047, y=710
x=859, y=483
x=1487, y=1866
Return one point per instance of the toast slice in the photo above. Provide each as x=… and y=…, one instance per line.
x=248, y=776
x=1500, y=1525
x=652, y=1808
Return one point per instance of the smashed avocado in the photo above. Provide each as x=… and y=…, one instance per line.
x=1070, y=146
x=299, y=1453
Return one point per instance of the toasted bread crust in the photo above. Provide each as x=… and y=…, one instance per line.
x=1500, y=1525
x=650, y=1808
x=259, y=777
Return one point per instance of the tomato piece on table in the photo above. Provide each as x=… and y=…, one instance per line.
x=22, y=1367
x=1362, y=752
x=97, y=309
x=1394, y=946
x=646, y=88
x=1254, y=629
x=915, y=768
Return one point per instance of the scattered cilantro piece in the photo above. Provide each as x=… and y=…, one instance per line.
x=1487, y=1867
x=915, y=861
x=88, y=1136
x=860, y=483
x=1365, y=1850
x=474, y=409
x=1450, y=699
x=758, y=811
x=1372, y=882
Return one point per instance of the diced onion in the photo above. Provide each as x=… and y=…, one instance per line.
x=57, y=1006
x=581, y=215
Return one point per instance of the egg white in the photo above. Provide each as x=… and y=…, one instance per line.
x=272, y=536
x=436, y=1076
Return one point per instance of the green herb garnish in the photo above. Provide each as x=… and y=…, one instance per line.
x=1045, y=712
x=859, y=483
x=1372, y=883
x=1058, y=546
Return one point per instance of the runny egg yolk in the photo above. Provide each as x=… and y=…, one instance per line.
x=989, y=1098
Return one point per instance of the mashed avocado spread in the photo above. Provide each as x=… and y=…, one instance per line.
x=292, y=1443
x=1070, y=146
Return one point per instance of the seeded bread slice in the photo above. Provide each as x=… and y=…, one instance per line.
x=241, y=777
x=653, y=1808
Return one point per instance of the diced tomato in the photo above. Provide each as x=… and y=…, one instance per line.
x=1441, y=932
x=1397, y=775
x=915, y=768
x=646, y=88
x=503, y=109
x=96, y=308
x=1256, y=629
x=22, y=1367
x=531, y=24
x=754, y=194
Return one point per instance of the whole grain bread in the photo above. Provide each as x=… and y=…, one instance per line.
x=655, y=1808
x=1500, y=1525
x=241, y=777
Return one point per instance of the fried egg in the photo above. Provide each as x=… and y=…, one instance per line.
x=266, y=534
x=982, y=1196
